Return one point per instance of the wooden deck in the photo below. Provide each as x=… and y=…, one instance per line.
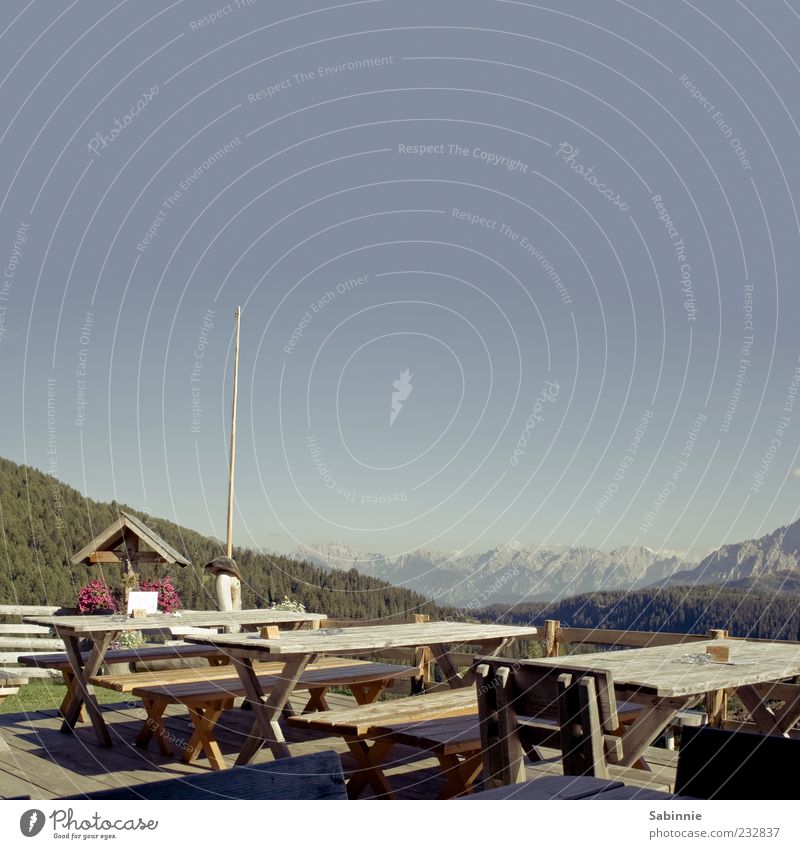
x=43, y=763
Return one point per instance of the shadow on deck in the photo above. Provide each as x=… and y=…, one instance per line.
x=43, y=763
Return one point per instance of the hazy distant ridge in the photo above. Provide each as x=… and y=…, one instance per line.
x=508, y=574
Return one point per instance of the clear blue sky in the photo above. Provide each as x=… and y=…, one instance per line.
x=549, y=218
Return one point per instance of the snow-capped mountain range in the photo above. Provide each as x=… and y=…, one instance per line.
x=769, y=562
x=512, y=573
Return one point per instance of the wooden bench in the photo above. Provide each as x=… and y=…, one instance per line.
x=18, y=638
x=582, y=703
x=58, y=662
x=169, y=678
x=444, y=724
x=364, y=729
x=10, y=683
x=314, y=776
x=206, y=700
x=127, y=682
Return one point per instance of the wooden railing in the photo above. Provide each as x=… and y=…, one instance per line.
x=556, y=636
x=17, y=638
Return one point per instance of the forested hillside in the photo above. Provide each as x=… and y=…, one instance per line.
x=768, y=615
x=43, y=522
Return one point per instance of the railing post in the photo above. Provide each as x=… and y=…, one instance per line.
x=717, y=700
x=552, y=628
x=423, y=660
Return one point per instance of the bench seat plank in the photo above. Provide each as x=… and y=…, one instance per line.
x=450, y=735
x=356, y=672
x=366, y=719
x=128, y=682
x=359, y=721
x=60, y=662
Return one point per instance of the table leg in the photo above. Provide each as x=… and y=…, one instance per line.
x=445, y=663
x=456, y=679
x=657, y=715
x=205, y=719
x=84, y=693
x=461, y=773
x=316, y=700
x=788, y=715
x=769, y=721
x=369, y=761
x=267, y=710
x=154, y=727
x=366, y=694
x=69, y=683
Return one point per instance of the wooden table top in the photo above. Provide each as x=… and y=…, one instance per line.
x=199, y=618
x=365, y=638
x=659, y=670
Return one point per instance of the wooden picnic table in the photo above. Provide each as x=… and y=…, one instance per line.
x=103, y=630
x=662, y=679
x=297, y=650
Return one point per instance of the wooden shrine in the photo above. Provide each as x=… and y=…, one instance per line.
x=121, y=543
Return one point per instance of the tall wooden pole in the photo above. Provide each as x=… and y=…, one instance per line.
x=229, y=548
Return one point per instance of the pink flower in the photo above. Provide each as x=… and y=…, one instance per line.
x=95, y=596
x=168, y=598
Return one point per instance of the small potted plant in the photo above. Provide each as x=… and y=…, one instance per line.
x=288, y=604
x=96, y=598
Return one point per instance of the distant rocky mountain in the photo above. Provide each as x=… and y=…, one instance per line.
x=509, y=574
x=771, y=561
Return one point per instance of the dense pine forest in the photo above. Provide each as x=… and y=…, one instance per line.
x=758, y=614
x=43, y=522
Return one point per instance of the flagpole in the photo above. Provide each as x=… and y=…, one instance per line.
x=229, y=548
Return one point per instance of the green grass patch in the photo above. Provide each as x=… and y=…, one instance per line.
x=41, y=694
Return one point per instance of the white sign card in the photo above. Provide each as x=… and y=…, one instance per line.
x=143, y=601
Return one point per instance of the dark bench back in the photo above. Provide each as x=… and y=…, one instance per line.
x=579, y=703
x=717, y=764
x=315, y=776
x=534, y=689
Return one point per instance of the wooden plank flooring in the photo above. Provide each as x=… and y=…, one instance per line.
x=43, y=763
